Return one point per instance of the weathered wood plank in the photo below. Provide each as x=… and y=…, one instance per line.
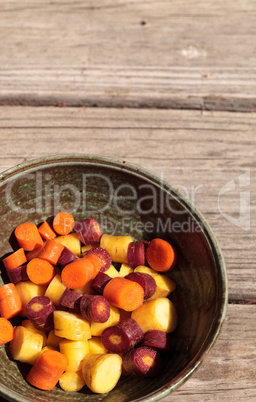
x=192, y=55
x=199, y=153
x=228, y=373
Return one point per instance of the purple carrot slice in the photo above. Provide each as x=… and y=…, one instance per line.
x=95, y=308
x=18, y=274
x=99, y=282
x=71, y=299
x=40, y=310
x=142, y=362
x=122, y=336
x=88, y=231
x=103, y=255
x=157, y=340
x=66, y=257
x=136, y=254
x=145, y=280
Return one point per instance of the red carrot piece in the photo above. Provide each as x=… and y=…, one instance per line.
x=103, y=255
x=99, y=282
x=145, y=280
x=136, y=254
x=47, y=370
x=71, y=299
x=160, y=255
x=142, y=362
x=18, y=274
x=66, y=257
x=10, y=301
x=122, y=336
x=6, y=331
x=51, y=251
x=125, y=294
x=40, y=272
x=63, y=223
x=89, y=231
x=157, y=340
x=15, y=259
x=46, y=231
x=39, y=311
x=95, y=308
x=28, y=236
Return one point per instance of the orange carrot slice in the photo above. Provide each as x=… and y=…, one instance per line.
x=10, y=301
x=46, y=231
x=51, y=251
x=28, y=236
x=34, y=253
x=47, y=370
x=63, y=223
x=76, y=274
x=40, y=272
x=96, y=262
x=125, y=294
x=15, y=259
x=6, y=331
x=160, y=255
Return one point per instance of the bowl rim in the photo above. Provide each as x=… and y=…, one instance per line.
x=137, y=170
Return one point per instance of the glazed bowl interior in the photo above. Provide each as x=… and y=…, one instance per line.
x=126, y=200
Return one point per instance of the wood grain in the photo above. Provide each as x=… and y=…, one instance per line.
x=118, y=53
x=228, y=373
x=197, y=152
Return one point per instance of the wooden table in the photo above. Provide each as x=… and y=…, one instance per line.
x=170, y=86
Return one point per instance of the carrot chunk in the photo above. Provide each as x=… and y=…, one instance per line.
x=63, y=223
x=123, y=293
x=40, y=272
x=122, y=336
x=76, y=274
x=28, y=236
x=10, y=301
x=47, y=370
x=15, y=259
x=51, y=251
x=40, y=312
x=46, y=231
x=6, y=331
x=94, y=308
x=142, y=362
x=95, y=261
x=160, y=255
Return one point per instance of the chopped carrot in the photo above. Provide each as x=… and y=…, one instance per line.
x=10, y=301
x=15, y=259
x=28, y=236
x=51, y=251
x=96, y=262
x=63, y=223
x=46, y=231
x=47, y=370
x=160, y=255
x=40, y=272
x=6, y=331
x=76, y=274
x=34, y=253
x=124, y=294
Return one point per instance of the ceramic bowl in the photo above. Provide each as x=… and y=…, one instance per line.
x=125, y=199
